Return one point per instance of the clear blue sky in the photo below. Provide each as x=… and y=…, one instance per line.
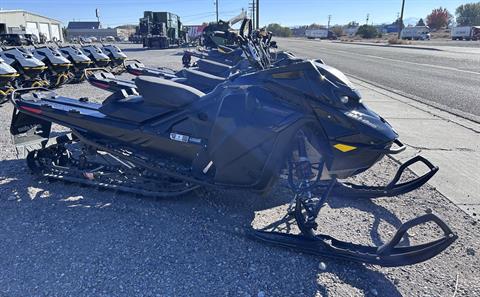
x=286, y=12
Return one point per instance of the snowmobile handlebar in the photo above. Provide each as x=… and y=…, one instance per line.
x=246, y=24
x=131, y=60
x=88, y=71
x=24, y=90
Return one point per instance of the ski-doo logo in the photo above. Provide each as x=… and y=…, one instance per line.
x=359, y=117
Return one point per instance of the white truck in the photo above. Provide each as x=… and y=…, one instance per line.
x=320, y=34
x=466, y=33
x=415, y=33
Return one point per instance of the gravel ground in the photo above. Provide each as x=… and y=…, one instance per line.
x=64, y=240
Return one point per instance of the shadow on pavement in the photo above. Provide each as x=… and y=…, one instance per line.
x=179, y=244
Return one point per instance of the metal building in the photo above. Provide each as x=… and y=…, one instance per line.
x=21, y=21
x=89, y=29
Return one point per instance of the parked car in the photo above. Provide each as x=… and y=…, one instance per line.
x=415, y=33
x=466, y=33
x=85, y=40
x=109, y=39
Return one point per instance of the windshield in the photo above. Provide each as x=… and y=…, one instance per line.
x=334, y=75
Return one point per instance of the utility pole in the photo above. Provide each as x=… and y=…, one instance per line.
x=216, y=6
x=257, y=14
x=368, y=17
x=400, y=22
x=329, y=19
x=252, y=12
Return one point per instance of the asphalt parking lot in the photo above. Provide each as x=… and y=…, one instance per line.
x=65, y=240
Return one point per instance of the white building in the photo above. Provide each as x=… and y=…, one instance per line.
x=21, y=21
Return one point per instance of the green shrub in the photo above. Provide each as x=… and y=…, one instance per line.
x=367, y=31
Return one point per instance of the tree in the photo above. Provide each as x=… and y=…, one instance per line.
x=367, y=31
x=352, y=24
x=397, y=23
x=438, y=18
x=315, y=26
x=279, y=30
x=337, y=29
x=420, y=23
x=468, y=14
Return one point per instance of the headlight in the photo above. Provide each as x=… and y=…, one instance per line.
x=344, y=99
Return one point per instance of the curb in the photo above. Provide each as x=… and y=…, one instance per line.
x=392, y=46
x=429, y=104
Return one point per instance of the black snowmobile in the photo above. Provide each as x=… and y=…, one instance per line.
x=79, y=60
x=206, y=73
x=58, y=65
x=29, y=68
x=303, y=119
x=225, y=55
x=95, y=53
x=117, y=57
x=7, y=75
x=136, y=67
x=102, y=78
x=232, y=55
x=205, y=77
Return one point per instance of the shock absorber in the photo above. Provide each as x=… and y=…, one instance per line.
x=303, y=166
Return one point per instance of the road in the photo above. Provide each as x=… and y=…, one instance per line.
x=447, y=79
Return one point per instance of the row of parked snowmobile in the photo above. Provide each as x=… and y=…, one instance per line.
x=52, y=66
x=237, y=118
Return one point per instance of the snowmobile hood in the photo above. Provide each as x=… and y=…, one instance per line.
x=6, y=59
x=53, y=55
x=94, y=53
x=331, y=95
x=6, y=69
x=114, y=52
x=23, y=56
x=74, y=54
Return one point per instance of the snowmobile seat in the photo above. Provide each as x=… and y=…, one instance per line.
x=167, y=93
x=199, y=78
x=127, y=104
x=213, y=67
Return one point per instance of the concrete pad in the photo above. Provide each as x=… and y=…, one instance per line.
x=416, y=103
x=391, y=109
x=436, y=135
x=450, y=142
x=458, y=177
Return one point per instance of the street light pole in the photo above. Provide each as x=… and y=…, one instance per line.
x=252, y=9
x=258, y=14
x=400, y=23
